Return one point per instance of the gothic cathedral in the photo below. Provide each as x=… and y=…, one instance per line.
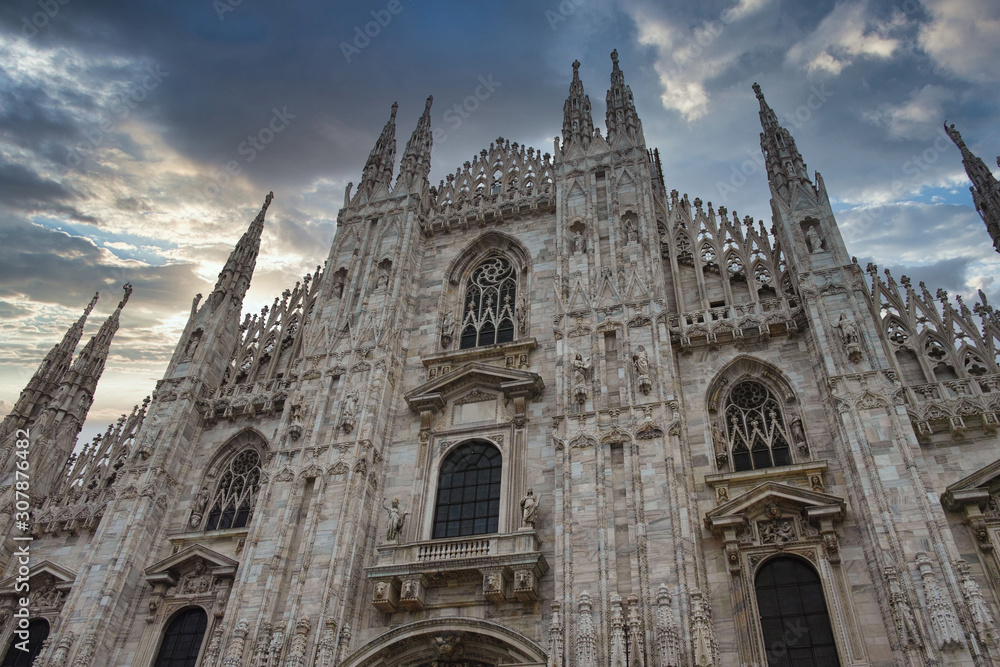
x=546, y=413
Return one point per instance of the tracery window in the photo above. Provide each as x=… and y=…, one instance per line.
x=793, y=615
x=490, y=298
x=38, y=632
x=758, y=437
x=182, y=640
x=236, y=494
x=468, y=497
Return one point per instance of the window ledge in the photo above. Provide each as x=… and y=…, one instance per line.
x=509, y=564
x=798, y=471
x=510, y=352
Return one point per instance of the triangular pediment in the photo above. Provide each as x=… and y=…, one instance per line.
x=772, y=494
x=973, y=489
x=433, y=395
x=170, y=567
x=62, y=577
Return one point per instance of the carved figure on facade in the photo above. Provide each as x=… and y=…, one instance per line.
x=529, y=509
x=906, y=623
x=200, y=505
x=631, y=231
x=799, y=436
x=850, y=337
x=295, y=417
x=521, y=314
x=778, y=531
x=945, y=627
x=349, y=412
x=396, y=518
x=61, y=652
x=814, y=239
x=447, y=329
x=579, y=243
x=641, y=362
x=581, y=377
x=979, y=611
x=195, y=582
x=45, y=594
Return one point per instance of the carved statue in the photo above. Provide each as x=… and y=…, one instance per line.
x=200, y=504
x=579, y=242
x=850, y=337
x=631, y=233
x=447, y=329
x=814, y=239
x=196, y=581
x=383, y=278
x=396, y=519
x=641, y=361
x=581, y=373
x=521, y=313
x=529, y=508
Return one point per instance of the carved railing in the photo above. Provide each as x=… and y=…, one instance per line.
x=245, y=400
x=509, y=566
x=954, y=403
x=724, y=324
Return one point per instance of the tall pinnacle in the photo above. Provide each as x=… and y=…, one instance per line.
x=236, y=274
x=416, y=162
x=378, y=168
x=43, y=384
x=985, y=189
x=784, y=163
x=90, y=363
x=621, y=116
x=577, y=122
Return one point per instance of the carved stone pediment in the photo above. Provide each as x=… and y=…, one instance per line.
x=774, y=500
x=169, y=569
x=195, y=574
x=513, y=383
x=974, y=489
x=48, y=582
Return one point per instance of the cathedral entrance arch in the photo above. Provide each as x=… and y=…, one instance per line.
x=449, y=642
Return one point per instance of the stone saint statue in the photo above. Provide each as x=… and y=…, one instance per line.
x=396, y=519
x=529, y=508
x=641, y=361
x=815, y=241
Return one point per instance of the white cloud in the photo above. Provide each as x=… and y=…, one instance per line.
x=918, y=117
x=963, y=37
x=846, y=34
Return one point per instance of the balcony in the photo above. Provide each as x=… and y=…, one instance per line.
x=509, y=566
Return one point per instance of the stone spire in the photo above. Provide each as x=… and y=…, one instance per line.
x=234, y=279
x=985, y=189
x=43, y=384
x=577, y=122
x=89, y=366
x=416, y=162
x=621, y=116
x=378, y=168
x=784, y=163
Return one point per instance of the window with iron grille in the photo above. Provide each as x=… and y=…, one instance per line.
x=182, y=641
x=490, y=298
x=236, y=493
x=468, y=497
x=793, y=615
x=757, y=434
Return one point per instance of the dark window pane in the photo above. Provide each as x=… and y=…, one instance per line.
x=182, y=639
x=467, y=501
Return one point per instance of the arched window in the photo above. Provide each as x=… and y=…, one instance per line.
x=236, y=493
x=468, y=498
x=793, y=615
x=490, y=298
x=758, y=437
x=182, y=640
x=38, y=632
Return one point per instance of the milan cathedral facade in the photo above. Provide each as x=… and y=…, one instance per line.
x=547, y=412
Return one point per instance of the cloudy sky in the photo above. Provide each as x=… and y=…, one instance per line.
x=118, y=121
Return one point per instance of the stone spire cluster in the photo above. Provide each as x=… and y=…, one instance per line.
x=985, y=188
x=43, y=384
x=377, y=173
x=785, y=165
x=578, y=125
x=621, y=118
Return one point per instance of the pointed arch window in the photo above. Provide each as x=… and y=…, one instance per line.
x=758, y=437
x=793, y=615
x=468, y=497
x=182, y=641
x=490, y=298
x=38, y=632
x=235, y=496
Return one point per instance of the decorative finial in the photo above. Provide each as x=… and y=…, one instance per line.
x=392, y=115
x=954, y=134
x=128, y=292
x=756, y=90
x=614, y=56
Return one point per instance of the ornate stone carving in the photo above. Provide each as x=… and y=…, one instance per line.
x=667, y=645
x=297, y=650
x=641, y=362
x=581, y=377
x=702, y=633
x=978, y=609
x=493, y=586
x=850, y=337
x=945, y=627
x=586, y=643
x=529, y=509
x=394, y=520
x=234, y=652
x=198, y=509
